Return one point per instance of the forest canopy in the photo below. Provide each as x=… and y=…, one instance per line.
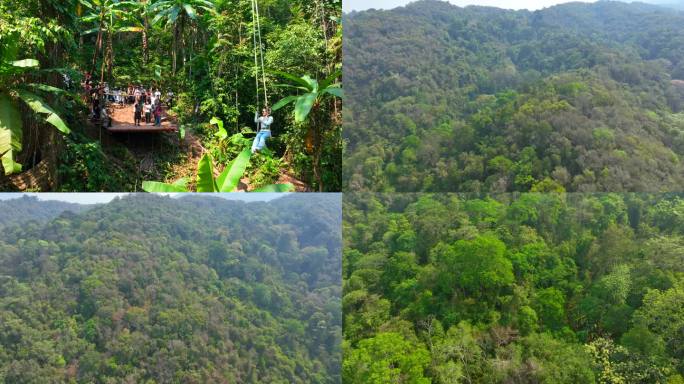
x=513, y=288
x=152, y=289
x=574, y=97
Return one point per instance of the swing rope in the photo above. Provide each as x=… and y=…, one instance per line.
x=261, y=52
x=256, y=37
x=256, y=63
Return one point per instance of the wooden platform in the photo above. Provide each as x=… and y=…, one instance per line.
x=141, y=128
x=122, y=121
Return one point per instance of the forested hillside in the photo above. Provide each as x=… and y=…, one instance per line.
x=29, y=208
x=675, y=4
x=513, y=288
x=150, y=289
x=575, y=97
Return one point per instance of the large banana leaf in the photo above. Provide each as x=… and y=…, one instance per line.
x=298, y=80
x=40, y=106
x=205, y=175
x=335, y=91
x=312, y=84
x=283, y=102
x=10, y=134
x=287, y=187
x=303, y=106
x=155, y=186
x=46, y=88
x=229, y=179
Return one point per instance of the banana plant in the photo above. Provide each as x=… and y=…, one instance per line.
x=311, y=94
x=227, y=181
x=14, y=90
x=108, y=15
x=179, y=14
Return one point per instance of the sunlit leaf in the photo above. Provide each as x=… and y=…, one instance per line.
x=222, y=134
x=230, y=177
x=129, y=29
x=312, y=84
x=89, y=31
x=10, y=134
x=291, y=77
x=205, y=175
x=46, y=88
x=155, y=186
x=303, y=106
x=8, y=164
x=335, y=91
x=40, y=106
x=190, y=11
x=26, y=63
x=287, y=187
x=283, y=102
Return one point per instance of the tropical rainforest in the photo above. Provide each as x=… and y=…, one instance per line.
x=153, y=289
x=575, y=97
x=513, y=288
x=66, y=67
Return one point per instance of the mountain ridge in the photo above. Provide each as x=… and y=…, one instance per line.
x=479, y=99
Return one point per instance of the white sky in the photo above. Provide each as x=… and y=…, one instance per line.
x=359, y=5
x=94, y=198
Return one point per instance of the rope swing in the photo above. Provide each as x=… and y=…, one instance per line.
x=258, y=57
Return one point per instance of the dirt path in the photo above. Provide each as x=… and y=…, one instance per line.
x=285, y=177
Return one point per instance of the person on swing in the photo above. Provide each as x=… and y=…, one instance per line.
x=264, y=121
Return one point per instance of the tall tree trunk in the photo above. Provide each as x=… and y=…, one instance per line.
x=317, y=158
x=146, y=54
x=110, y=60
x=98, y=43
x=181, y=35
x=318, y=149
x=104, y=62
x=174, y=48
x=193, y=36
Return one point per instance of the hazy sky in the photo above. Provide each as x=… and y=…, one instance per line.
x=359, y=5
x=94, y=198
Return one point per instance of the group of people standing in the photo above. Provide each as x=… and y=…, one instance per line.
x=146, y=103
x=94, y=95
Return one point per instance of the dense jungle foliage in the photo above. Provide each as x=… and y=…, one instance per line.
x=513, y=288
x=575, y=97
x=204, y=53
x=150, y=289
